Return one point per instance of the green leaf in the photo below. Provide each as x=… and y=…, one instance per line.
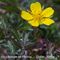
x=8, y=0
x=10, y=46
x=10, y=8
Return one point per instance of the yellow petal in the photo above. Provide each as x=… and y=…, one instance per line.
x=47, y=12
x=47, y=21
x=25, y=15
x=35, y=8
x=34, y=23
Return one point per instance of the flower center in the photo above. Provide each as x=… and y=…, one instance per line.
x=37, y=17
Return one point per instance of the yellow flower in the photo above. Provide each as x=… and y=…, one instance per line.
x=37, y=16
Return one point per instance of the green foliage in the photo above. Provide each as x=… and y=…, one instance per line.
x=9, y=1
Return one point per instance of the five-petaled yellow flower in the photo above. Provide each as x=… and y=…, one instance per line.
x=37, y=16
